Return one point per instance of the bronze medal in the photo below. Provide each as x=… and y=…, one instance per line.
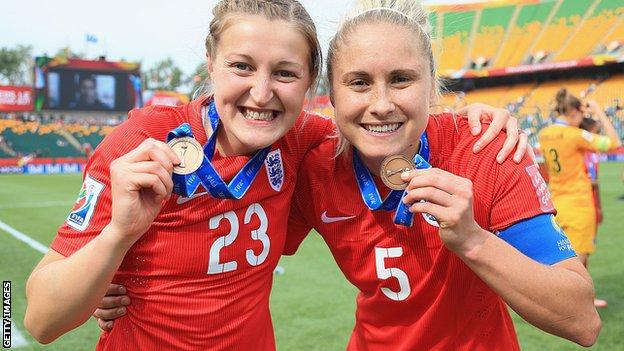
x=391, y=169
x=190, y=153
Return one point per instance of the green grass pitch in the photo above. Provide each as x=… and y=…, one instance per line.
x=313, y=305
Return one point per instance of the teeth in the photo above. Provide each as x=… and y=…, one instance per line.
x=384, y=128
x=258, y=116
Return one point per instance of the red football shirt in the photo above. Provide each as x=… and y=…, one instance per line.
x=200, y=277
x=414, y=294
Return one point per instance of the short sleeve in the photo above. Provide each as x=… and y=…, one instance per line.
x=311, y=129
x=591, y=141
x=92, y=210
x=299, y=222
x=520, y=193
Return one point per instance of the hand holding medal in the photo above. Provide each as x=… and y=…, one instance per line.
x=449, y=199
x=391, y=169
x=196, y=167
x=140, y=182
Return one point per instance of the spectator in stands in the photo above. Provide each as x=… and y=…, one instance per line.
x=563, y=145
x=87, y=98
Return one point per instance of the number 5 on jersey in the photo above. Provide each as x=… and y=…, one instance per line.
x=384, y=272
x=260, y=234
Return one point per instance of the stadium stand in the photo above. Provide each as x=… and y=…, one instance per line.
x=589, y=34
x=507, y=34
x=20, y=138
x=521, y=33
x=490, y=34
x=456, y=31
x=567, y=19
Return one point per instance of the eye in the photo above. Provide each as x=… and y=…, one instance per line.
x=401, y=80
x=286, y=76
x=241, y=66
x=358, y=83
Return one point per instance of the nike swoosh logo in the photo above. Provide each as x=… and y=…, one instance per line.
x=327, y=219
x=182, y=200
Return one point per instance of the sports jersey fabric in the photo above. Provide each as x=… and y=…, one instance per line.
x=564, y=148
x=200, y=277
x=414, y=294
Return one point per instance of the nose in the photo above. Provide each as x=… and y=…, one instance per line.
x=262, y=90
x=382, y=104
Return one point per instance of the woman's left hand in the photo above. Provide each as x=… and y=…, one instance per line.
x=448, y=198
x=499, y=119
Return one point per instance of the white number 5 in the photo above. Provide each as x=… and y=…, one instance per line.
x=384, y=273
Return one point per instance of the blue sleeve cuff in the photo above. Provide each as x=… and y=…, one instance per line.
x=539, y=238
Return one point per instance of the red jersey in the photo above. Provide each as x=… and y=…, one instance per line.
x=414, y=293
x=200, y=277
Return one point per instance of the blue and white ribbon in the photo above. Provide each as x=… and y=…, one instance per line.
x=392, y=202
x=207, y=175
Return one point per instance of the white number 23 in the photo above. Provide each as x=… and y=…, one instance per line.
x=260, y=234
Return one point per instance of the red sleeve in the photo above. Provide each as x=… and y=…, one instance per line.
x=302, y=206
x=298, y=227
x=503, y=193
x=311, y=129
x=520, y=193
x=92, y=210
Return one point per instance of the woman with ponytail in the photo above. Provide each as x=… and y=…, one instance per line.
x=564, y=145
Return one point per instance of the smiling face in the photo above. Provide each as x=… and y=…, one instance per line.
x=260, y=77
x=382, y=87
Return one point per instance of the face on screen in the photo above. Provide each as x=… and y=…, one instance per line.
x=88, y=92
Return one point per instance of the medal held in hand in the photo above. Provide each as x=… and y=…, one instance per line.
x=391, y=169
x=190, y=153
x=196, y=166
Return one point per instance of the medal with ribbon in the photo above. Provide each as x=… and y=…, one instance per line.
x=391, y=170
x=196, y=167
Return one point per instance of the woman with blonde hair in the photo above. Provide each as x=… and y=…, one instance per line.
x=198, y=264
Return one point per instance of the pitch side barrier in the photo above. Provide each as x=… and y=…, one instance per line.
x=48, y=168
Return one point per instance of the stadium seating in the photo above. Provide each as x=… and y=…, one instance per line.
x=47, y=140
x=592, y=30
x=457, y=27
x=490, y=34
x=528, y=23
x=505, y=34
x=565, y=21
x=533, y=103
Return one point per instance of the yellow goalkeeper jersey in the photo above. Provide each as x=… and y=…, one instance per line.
x=563, y=147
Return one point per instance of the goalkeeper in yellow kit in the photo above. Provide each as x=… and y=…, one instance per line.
x=563, y=145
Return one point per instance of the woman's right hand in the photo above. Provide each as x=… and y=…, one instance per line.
x=140, y=182
x=593, y=108
x=112, y=306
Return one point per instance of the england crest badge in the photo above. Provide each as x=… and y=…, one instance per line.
x=81, y=213
x=275, y=169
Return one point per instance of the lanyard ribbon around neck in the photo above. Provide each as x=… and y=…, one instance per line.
x=206, y=174
x=392, y=202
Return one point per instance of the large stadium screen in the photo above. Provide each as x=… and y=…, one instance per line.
x=80, y=85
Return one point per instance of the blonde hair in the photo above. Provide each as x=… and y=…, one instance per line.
x=405, y=13
x=287, y=10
